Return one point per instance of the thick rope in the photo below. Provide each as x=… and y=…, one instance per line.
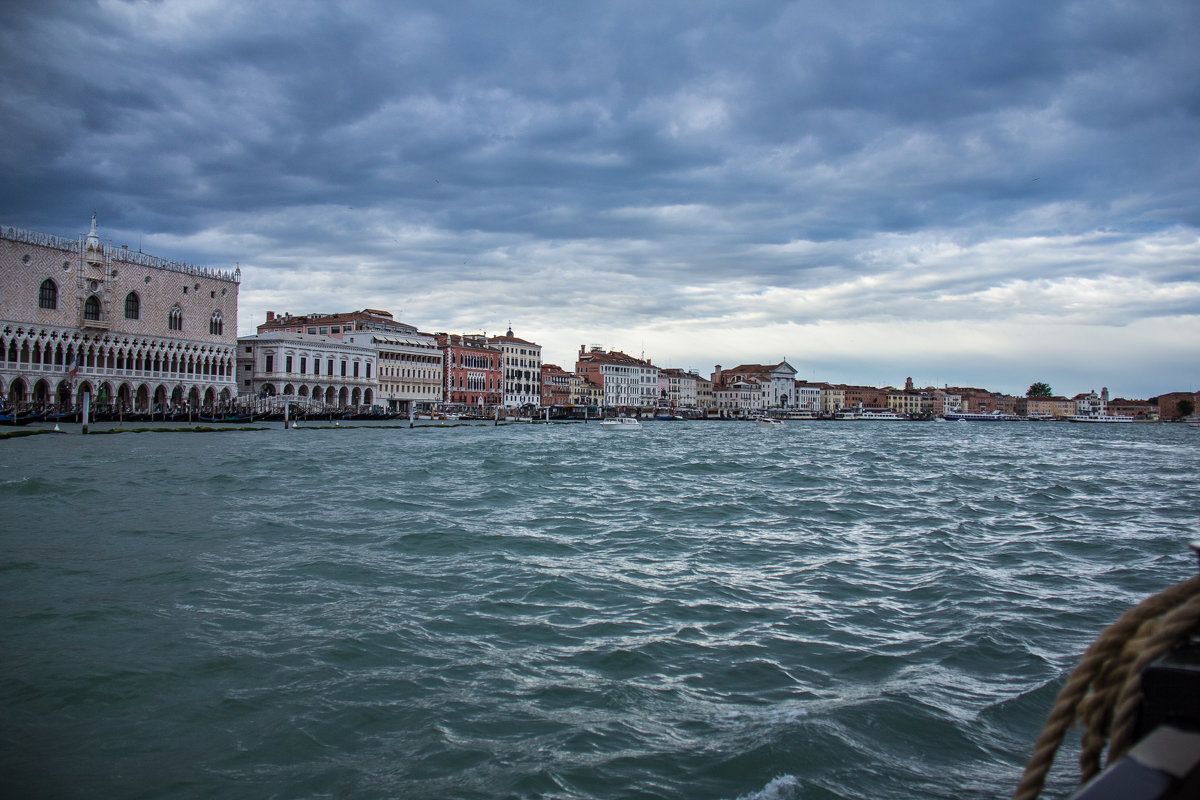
x=1108, y=676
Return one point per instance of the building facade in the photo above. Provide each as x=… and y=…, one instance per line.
x=556, y=386
x=522, y=370
x=320, y=373
x=625, y=381
x=409, y=368
x=473, y=372
x=135, y=331
x=335, y=325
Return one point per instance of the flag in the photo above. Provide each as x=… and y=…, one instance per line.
x=78, y=363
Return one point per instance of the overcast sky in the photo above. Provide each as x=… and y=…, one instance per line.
x=985, y=194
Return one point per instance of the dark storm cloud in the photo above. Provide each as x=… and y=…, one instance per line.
x=725, y=165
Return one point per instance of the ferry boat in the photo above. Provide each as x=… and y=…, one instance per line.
x=1101, y=418
x=858, y=413
x=979, y=416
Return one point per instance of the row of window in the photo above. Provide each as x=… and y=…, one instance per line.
x=48, y=298
x=269, y=366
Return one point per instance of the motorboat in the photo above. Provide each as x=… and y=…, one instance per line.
x=768, y=422
x=621, y=424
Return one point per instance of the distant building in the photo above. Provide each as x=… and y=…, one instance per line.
x=556, y=386
x=335, y=325
x=776, y=382
x=409, y=367
x=1168, y=404
x=473, y=372
x=522, y=370
x=135, y=331
x=625, y=381
x=320, y=372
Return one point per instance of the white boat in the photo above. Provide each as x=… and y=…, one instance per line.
x=858, y=412
x=621, y=424
x=1103, y=418
x=979, y=416
x=768, y=422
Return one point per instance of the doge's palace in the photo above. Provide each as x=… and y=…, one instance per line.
x=140, y=333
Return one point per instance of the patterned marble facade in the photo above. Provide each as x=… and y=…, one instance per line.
x=137, y=332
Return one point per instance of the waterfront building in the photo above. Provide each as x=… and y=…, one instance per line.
x=409, y=367
x=1138, y=409
x=908, y=401
x=681, y=388
x=586, y=392
x=1044, y=407
x=522, y=370
x=808, y=396
x=1090, y=404
x=736, y=398
x=137, y=332
x=833, y=397
x=321, y=373
x=776, y=382
x=863, y=397
x=1168, y=404
x=335, y=325
x=973, y=400
x=556, y=386
x=625, y=381
x=704, y=394
x=473, y=372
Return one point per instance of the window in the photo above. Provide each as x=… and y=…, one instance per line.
x=91, y=308
x=216, y=325
x=175, y=318
x=312, y=330
x=324, y=330
x=330, y=364
x=356, y=369
x=316, y=366
x=303, y=365
x=48, y=295
x=287, y=364
x=335, y=329
x=133, y=306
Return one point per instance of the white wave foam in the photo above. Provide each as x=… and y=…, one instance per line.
x=785, y=787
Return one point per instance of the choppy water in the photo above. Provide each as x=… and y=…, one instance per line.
x=698, y=610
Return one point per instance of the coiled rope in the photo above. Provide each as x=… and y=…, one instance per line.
x=1105, y=689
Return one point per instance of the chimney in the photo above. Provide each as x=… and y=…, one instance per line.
x=270, y=316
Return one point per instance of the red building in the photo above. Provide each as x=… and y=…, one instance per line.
x=473, y=371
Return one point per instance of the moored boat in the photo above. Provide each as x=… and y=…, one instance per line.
x=979, y=416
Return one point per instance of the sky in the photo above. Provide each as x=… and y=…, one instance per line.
x=968, y=194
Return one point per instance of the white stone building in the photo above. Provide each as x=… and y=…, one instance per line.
x=522, y=370
x=135, y=331
x=318, y=372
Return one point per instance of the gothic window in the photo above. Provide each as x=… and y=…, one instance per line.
x=216, y=325
x=91, y=308
x=175, y=318
x=133, y=306
x=48, y=296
